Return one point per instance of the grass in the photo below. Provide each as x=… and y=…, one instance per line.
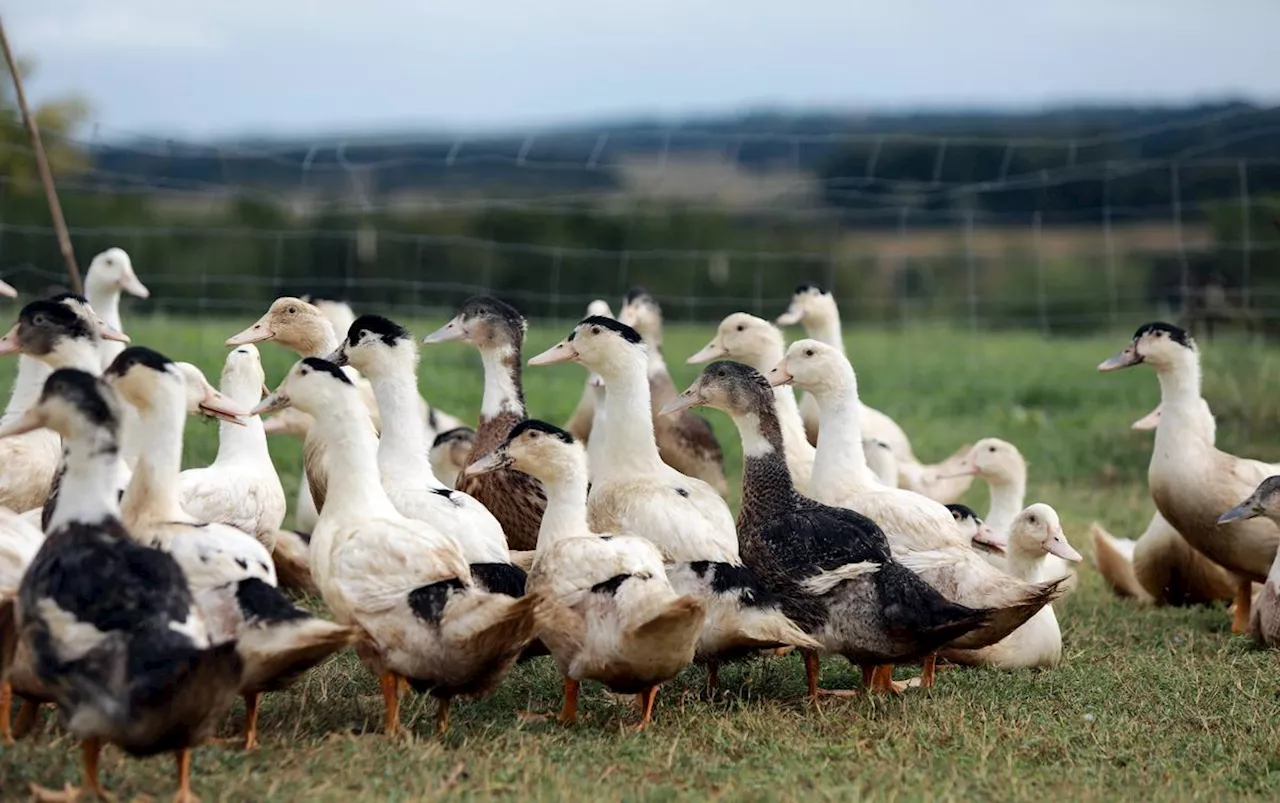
x=1147, y=702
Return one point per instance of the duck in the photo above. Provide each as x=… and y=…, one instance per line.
x=110, y=273
x=29, y=461
x=634, y=491
x=1193, y=482
x=387, y=354
x=982, y=537
x=1005, y=471
x=1264, y=502
x=230, y=572
x=753, y=341
x=296, y=424
x=609, y=613
x=402, y=584
x=496, y=330
x=241, y=488
x=1035, y=533
x=923, y=533
x=831, y=567
x=685, y=441
x=302, y=328
x=450, y=452
x=111, y=626
x=816, y=309
x=62, y=331
x=20, y=540
x=579, y=424
x=880, y=460
x=1161, y=568
x=7, y=290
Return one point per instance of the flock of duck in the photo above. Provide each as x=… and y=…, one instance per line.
x=142, y=599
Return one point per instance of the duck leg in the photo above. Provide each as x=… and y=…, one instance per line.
x=251, y=704
x=930, y=666
x=90, y=748
x=713, y=679
x=28, y=719
x=882, y=681
x=442, y=714
x=185, y=795
x=569, y=711
x=646, y=699
x=390, y=682
x=812, y=666
x=6, y=707
x=1243, y=603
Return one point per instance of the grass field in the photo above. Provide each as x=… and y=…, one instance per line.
x=1148, y=703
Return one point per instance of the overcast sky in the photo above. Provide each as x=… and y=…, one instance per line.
x=230, y=67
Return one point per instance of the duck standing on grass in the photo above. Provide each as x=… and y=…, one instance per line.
x=634, y=491
x=112, y=625
x=831, y=567
x=497, y=330
x=609, y=613
x=1264, y=622
x=403, y=584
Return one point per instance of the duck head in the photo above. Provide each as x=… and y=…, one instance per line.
x=450, y=452
x=809, y=301
x=312, y=385
x=980, y=535
x=1264, y=501
x=243, y=377
x=746, y=339
x=730, y=387
x=601, y=344
x=812, y=366
x=61, y=332
x=484, y=322
x=536, y=448
x=1160, y=344
x=374, y=345
x=75, y=404
x=111, y=272
x=641, y=312
x=1037, y=530
x=144, y=378
x=291, y=322
x=998, y=462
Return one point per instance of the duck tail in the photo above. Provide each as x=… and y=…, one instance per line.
x=915, y=610
x=674, y=630
x=292, y=557
x=1007, y=618
x=279, y=641
x=1113, y=558
x=492, y=629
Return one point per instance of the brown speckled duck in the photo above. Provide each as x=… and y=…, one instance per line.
x=497, y=330
x=1264, y=623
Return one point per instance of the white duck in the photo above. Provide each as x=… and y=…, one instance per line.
x=229, y=571
x=1193, y=482
x=634, y=491
x=450, y=453
x=1034, y=534
x=816, y=310
x=28, y=461
x=579, y=424
x=609, y=613
x=386, y=353
x=922, y=533
x=240, y=488
x=1161, y=568
x=401, y=582
x=20, y=540
x=110, y=273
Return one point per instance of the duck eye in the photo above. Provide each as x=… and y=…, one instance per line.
x=292, y=310
x=991, y=448
x=1033, y=520
x=808, y=352
x=40, y=320
x=741, y=327
x=595, y=330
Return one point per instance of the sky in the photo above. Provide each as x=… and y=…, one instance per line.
x=243, y=67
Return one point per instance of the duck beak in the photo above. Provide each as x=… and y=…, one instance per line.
x=9, y=343
x=494, y=461
x=1125, y=359
x=987, y=540
x=215, y=405
x=452, y=331
x=1057, y=545
x=779, y=375
x=32, y=419
x=1248, y=509
x=257, y=333
x=560, y=352
x=1148, y=422
x=131, y=285
x=339, y=356
x=110, y=333
x=7, y=290
x=690, y=398
x=276, y=401
x=965, y=467
x=791, y=317
x=712, y=351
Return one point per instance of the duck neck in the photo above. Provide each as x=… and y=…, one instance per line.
x=629, y=444
x=841, y=457
x=1180, y=384
x=793, y=432
x=357, y=485
x=1006, y=503
x=824, y=327
x=88, y=492
x=106, y=302
x=153, y=492
x=81, y=354
x=27, y=386
x=566, y=513
x=767, y=489
x=402, y=449
x=1023, y=562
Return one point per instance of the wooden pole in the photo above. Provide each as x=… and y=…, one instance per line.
x=42, y=163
